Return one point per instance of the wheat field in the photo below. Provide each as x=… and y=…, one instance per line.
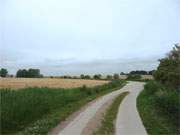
x=16, y=83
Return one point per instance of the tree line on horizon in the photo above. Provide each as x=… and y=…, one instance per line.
x=26, y=73
x=168, y=71
x=30, y=73
x=35, y=73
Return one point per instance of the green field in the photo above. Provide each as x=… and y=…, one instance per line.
x=159, y=108
x=37, y=110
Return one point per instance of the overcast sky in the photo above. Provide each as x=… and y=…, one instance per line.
x=87, y=36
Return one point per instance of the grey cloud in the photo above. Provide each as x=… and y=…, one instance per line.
x=87, y=36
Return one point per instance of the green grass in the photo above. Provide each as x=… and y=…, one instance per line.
x=159, y=109
x=107, y=127
x=37, y=110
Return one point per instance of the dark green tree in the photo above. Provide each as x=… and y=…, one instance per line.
x=97, y=76
x=31, y=73
x=87, y=77
x=152, y=72
x=3, y=72
x=122, y=73
x=82, y=76
x=168, y=71
x=22, y=73
x=138, y=72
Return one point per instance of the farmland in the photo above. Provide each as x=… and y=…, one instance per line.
x=17, y=83
x=37, y=110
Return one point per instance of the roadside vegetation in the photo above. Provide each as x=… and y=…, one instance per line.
x=108, y=127
x=37, y=110
x=159, y=108
x=159, y=103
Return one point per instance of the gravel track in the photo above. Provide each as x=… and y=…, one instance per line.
x=128, y=121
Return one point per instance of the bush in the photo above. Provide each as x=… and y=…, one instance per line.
x=159, y=108
x=168, y=71
x=165, y=99
x=151, y=87
x=169, y=102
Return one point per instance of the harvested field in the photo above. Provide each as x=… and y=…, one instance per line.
x=147, y=77
x=16, y=83
x=143, y=77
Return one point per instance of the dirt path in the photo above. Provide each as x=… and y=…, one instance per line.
x=80, y=123
x=128, y=120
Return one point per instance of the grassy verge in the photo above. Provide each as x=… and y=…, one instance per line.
x=107, y=127
x=37, y=110
x=159, y=109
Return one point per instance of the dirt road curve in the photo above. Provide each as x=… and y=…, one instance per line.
x=128, y=122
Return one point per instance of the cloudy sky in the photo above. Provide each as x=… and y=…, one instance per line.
x=87, y=36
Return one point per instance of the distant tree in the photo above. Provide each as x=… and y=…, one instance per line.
x=122, y=73
x=109, y=77
x=31, y=73
x=152, y=72
x=3, y=72
x=19, y=73
x=138, y=72
x=168, y=71
x=67, y=77
x=97, y=76
x=75, y=77
x=82, y=76
x=87, y=77
x=22, y=73
x=116, y=76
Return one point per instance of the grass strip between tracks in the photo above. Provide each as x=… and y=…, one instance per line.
x=108, y=122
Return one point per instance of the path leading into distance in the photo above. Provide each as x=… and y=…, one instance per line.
x=128, y=120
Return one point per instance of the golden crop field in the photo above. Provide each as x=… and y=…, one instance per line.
x=143, y=77
x=148, y=77
x=16, y=83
